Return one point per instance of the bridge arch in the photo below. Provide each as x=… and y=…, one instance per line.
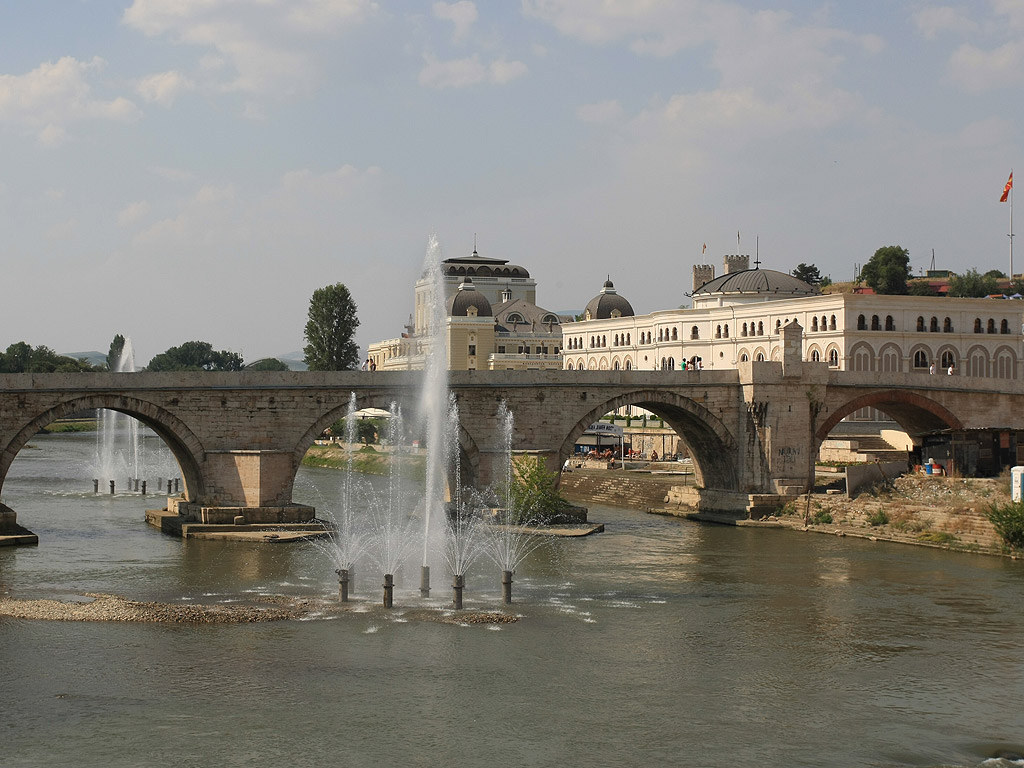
x=469, y=451
x=186, y=448
x=711, y=444
x=915, y=413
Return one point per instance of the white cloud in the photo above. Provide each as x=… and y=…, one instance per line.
x=267, y=42
x=505, y=71
x=163, y=88
x=132, y=213
x=457, y=73
x=602, y=112
x=934, y=19
x=462, y=14
x=210, y=194
x=55, y=94
x=975, y=69
x=462, y=73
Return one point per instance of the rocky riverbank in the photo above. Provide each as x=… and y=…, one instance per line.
x=945, y=512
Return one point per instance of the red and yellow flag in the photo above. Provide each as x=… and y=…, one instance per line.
x=1007, y=188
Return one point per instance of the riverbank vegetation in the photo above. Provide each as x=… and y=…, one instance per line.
x=1008, y=520
x=63, y=426
x=367, y=460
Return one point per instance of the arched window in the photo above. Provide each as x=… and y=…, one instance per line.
x=814, y=324
x=718, y=331
x=991, y=325
x=890, y=324
x=592, y=342
x=744, y=357
x=824, y=323
x=725, y=330
x=760, y=357
x=675, y=334
x=604, y=341
x=760, y=328
x=833, y=357
x=694, y=333
x=629, y=365
x=616, y=366
x=778, y=325
x=977, y=325
x=659, y=335
x=947, y=325
x=628, y=342
x=615, y=340
x=933, y=326
x=816, y=356
x=1004, y=326
x=832, y=327
x=920, y=359
x=920, y=324
x=876, y=324
x=862, y=323
x=671, y=363
x=948, y=360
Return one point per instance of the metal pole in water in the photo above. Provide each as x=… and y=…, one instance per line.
x=95, y=486
x=506, y=587
x=458, y=583
x=389, y=589
x=176, y=485
x=136, y=485
x=143, y=487
x=425, y=580
x=342, y=584
x=111, y=487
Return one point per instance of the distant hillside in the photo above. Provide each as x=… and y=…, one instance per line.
x=93, y=358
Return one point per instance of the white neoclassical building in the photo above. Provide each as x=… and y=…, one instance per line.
x=738, y=316
x=491, y=321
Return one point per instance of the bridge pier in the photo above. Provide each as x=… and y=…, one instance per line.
x=12, y=534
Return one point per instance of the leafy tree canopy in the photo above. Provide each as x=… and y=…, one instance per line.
x=921, y=288
x=532, y=495
x=268, y=364
x=22, y=358
x=996, y=273
x=972, y=284
x=196, y=356
x=808, y=273
x=888, y=270
x=330, y=330
x=114, y=355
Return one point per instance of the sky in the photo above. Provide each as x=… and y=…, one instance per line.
x=178, y=170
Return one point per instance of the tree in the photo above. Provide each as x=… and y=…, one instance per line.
x=329, y=330
x=921, y=288
x=22, y=358
x=809, y=273
x=888, y=270
x=196, y=356
x=114, y=355
x=972, y=284
x=533, y=496
x=268, y=364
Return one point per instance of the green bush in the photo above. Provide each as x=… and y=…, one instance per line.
x=878, y=517
x=1008, y=520
x=821, y=517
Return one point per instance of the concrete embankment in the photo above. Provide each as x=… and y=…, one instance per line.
x=639, y=490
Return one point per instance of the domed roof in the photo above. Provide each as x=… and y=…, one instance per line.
x=482, y=266
x=757, y=281
x=468, y=302
x=607, y=304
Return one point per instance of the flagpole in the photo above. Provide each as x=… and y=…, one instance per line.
x=1011, y=228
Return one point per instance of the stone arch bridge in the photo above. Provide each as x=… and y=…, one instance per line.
x=240, y=437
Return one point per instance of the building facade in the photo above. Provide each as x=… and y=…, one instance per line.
x=740, y=315
x=492, y=321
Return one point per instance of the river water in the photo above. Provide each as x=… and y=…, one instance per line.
x=656, y=643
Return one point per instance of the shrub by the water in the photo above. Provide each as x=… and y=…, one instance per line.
x=1008, y=520
x=878, y=517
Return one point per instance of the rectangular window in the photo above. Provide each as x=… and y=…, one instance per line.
x=501, y=349
x=472, y=349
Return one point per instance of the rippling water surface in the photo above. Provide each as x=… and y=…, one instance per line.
x=658, y=642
